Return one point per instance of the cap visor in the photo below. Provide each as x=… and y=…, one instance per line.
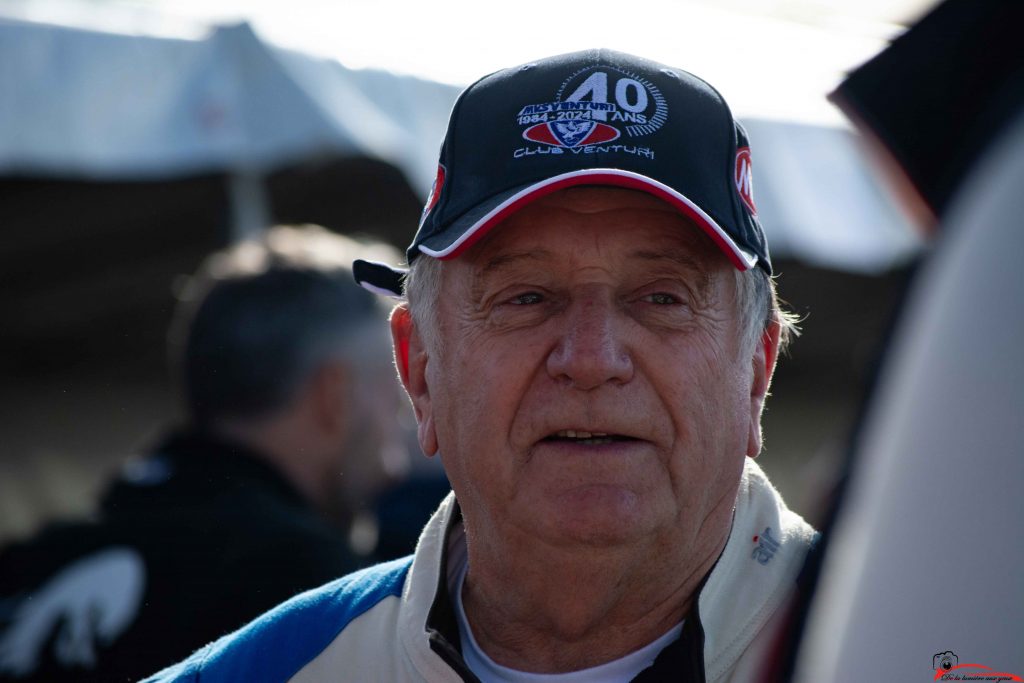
x=378, y=278
x=476, y=223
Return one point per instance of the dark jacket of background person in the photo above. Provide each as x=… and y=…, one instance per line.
x=249, y=503
x=191, y=543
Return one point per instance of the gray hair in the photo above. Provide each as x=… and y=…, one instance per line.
x=759, y=305
x=259, y=317
x=756, y=299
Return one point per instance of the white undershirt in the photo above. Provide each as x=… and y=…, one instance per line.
x=488, y=671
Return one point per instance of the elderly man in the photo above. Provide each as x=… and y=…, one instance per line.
x=588, y=339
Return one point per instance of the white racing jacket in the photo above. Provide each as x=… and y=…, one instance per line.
x=395, y=621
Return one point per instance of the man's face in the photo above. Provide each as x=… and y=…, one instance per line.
x=591, y=387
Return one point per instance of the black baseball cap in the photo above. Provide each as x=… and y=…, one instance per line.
x=597, y=117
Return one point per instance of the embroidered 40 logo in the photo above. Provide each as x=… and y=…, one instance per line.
x=630, y=94
x=629, y=98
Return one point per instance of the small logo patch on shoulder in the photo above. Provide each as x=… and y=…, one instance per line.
x=766, y=546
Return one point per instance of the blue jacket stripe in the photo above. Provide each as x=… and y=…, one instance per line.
x=275, y=646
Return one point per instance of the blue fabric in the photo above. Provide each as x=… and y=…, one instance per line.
x=275, y=646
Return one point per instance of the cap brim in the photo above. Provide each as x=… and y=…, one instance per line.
x=474, y=224
x=378, y=278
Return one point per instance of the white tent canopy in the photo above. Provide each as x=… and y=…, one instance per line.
x=104, y=105
x=107, y=106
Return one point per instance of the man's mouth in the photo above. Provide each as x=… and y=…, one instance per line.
x=577, y=436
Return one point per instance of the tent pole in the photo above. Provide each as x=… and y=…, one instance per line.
x=250, y=205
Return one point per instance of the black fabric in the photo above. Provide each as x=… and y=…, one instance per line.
x=221, y=535
x=442, y=625
x=943, y=91
x=682, y=661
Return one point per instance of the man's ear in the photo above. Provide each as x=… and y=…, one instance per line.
x=765, y=355
x=411, y=359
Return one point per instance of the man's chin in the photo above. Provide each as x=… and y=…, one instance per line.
x=596, y=515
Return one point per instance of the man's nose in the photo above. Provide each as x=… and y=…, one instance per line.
x=591, y=350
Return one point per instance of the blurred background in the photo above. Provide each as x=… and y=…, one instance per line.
x=136, y=137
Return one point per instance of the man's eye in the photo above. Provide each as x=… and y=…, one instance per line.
x=661, y=298
x=526, y=299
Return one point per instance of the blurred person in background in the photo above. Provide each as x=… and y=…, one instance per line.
x=286, y=376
